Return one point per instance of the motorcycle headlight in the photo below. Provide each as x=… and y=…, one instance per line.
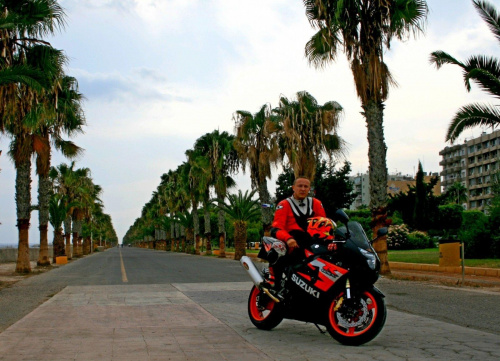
x=371, y=259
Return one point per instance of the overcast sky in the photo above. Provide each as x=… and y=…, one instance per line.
x=158, y=74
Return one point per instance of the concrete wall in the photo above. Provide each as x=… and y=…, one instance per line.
x=10, y=254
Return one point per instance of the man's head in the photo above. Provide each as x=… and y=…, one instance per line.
x=301, y=188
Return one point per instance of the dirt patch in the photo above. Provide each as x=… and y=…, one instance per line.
x=9, y=276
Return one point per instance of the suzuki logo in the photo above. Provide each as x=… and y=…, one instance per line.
x=304, y=286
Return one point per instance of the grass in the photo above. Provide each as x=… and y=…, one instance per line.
x=431, y=256
x=427, y=256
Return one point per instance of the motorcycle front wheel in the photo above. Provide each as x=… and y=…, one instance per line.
x=357, y=320
x=264, y=313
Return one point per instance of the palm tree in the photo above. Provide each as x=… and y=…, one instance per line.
x=483, y=70
x=23, y=23
x=256, y=144
x=223, y=161
x=307, y=131
x=241, y=209
x=58, y=209
x=194, y=175
x=457, y=193
x=64, y=181
x=363, y=29
x=61, y=112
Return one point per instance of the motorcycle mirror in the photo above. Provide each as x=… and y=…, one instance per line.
x=382, y=231
x=342, y=216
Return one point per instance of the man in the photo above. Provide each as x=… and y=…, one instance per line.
x=290, y=225
x=290, y=218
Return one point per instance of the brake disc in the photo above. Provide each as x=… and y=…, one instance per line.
x=359, y=320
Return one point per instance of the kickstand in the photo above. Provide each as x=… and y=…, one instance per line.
x=320, y=330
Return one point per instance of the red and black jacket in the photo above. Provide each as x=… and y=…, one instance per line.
x=290, y=218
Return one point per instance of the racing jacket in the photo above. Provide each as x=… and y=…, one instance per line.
x=290, y=218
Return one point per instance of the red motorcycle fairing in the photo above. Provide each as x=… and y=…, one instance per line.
x=318, y=276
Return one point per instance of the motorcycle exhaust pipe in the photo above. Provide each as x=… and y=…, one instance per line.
x=252, y=271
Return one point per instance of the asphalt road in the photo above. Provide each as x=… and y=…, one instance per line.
x=472, y=308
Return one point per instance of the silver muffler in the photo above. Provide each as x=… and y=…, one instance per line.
x=256, y=277
x=252, y=271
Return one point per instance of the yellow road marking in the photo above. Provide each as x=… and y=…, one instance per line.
x=124, y=274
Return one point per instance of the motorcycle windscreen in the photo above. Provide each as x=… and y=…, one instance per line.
x=358, y=235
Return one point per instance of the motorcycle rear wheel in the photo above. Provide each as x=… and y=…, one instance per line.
x=265, y=314
x=357, y=320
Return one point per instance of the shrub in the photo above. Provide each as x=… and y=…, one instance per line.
x=362, y=213
x=450, y=218
x=253, y=235
x=475, y=235
x=398, y=237
x=419, y=240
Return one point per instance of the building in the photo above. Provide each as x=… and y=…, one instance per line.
x=396, y=183
x=472, y=164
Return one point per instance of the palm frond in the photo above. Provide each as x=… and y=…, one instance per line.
x=470, y=116
x=489, y=15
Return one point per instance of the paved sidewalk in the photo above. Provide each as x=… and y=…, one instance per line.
x=208, y=321
x=129, y=322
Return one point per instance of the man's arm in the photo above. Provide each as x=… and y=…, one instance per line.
x=278, y=227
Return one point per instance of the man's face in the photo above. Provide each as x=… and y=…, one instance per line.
x=301, y=188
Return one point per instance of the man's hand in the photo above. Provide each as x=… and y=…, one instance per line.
x=292, y=244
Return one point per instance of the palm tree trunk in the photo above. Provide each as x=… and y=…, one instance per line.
x=222, y=235
x=208, y=231
x=58, y=245
x=44, y=187
x=377, y=151
x=67, y=236
x=23, y=203
x=240, y=239
x=266, y=211
x=86, y=246
x=172, y=237
x=196, y=221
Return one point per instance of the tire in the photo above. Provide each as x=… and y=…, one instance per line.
x=266, y=316
x=358, y=320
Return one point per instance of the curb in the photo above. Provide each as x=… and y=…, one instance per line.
x=470, y=271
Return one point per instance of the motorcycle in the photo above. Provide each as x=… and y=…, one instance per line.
x=332, y=286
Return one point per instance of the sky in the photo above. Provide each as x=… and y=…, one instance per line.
x=159, y=74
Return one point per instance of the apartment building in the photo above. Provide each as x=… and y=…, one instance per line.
x=472, y=164
x=396, y=183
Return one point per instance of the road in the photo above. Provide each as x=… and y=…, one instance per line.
x=424, y=321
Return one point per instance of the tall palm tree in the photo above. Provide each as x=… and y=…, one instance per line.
x=65, y=182
x=241, y=208
x=363, y=29
x=483, y=70
x=307, y=131
x=61, y=112
x=257, y=145
x=194, y=175
x=223, y=161
x=58, y=209
x=92, y=205
x=20, y=41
